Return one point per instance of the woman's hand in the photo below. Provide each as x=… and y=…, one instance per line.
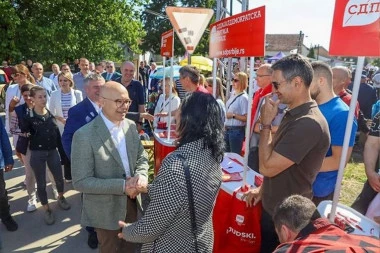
x=122, y=224
x=252, y=197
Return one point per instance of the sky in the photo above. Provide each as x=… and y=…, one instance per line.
x=312, y=17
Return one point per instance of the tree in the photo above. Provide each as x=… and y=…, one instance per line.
x=376, y=62
x=156, y=25
x=62, y=30
x=311, y=53
x=8, y=26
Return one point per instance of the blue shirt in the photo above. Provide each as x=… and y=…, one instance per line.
x=48, y=85
x=336, y=113
x=366, y=97
x=79, y=83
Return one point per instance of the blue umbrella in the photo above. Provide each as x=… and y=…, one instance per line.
x=159, y=74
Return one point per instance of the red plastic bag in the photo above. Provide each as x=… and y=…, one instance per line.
x=236, y=227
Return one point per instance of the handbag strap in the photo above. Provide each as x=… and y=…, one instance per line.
x=190, y=198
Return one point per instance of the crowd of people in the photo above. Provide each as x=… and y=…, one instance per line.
x=91, y=123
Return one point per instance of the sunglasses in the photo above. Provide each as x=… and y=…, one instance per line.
x=15, y=75
x=109, y=67
x=235, y=80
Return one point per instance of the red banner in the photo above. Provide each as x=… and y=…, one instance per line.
x=356, y=28
x=167, y=43
x=240, y=35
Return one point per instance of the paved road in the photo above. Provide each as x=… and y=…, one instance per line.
x=33, y=235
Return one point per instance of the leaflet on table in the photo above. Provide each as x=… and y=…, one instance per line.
x=231, y=166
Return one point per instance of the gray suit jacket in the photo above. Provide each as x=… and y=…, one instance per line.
x=98, y=172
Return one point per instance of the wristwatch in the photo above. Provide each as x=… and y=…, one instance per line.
x=233, y=115
x=262, y=127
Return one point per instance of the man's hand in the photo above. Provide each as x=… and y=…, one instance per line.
x=8, y=167
x=374, y=181
x=122, y=224
x=269, y=110
x=136, y=185
x=147, y=116
x=252, y=196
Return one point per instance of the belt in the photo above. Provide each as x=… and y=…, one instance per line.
x=234, y=127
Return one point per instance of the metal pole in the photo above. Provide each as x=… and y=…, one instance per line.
x=248, y=124
x=347, y=134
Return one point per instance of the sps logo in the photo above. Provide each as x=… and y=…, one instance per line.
x=361, y=12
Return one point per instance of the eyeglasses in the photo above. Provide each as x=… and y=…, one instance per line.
x=277, y=84
x=120, y=102
x=262, y=75
x=235, y=80
x=109, y=67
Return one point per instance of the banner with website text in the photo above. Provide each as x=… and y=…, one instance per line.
x=356, y=28
x=240, y=35
x=167, y=43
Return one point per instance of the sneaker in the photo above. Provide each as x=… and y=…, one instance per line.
x=49, y=217
x=63, y=203
x=10, y=224
x=68, y=180
x=31, y=207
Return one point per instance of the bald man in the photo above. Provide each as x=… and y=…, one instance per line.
x=108, y=161
x=38, y=74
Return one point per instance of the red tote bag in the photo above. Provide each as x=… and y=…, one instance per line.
x=236, y=226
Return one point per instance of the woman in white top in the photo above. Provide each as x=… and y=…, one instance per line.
x=60, y=102
x=219, y=94
x=164, y=102
x=236, y=114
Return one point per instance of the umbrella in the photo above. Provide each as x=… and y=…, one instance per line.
x=278, y=56
x=202, y=63
x=159, y=74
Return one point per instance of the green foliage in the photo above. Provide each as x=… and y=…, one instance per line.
x=311, y=53
x=154, y=26
x=8, y=27
x=376, y=62
x=61, y=30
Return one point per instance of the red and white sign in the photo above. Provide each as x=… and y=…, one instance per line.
x=356, y=28
x=167, y=43
x=189, y=24
x=240, y=35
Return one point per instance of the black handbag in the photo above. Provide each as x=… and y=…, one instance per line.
x=22, y=144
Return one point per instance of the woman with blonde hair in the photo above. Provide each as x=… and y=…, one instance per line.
x=236, y=115
x=219, y=96
x=164, y=102
x=60, y=102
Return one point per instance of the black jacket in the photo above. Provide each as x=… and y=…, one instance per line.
x=43, y=130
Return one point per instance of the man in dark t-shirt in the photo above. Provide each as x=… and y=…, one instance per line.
x=289, y=160
x=134, y=87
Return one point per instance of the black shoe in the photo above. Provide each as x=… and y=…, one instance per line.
x=10, y=224
x=92, y=240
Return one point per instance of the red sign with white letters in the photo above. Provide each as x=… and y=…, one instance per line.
x=240, y=35
x=356, y=28
x=167, y=43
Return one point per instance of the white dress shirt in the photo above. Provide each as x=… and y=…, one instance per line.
x=118, y=138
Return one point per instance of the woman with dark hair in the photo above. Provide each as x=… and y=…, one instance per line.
x=175, y=221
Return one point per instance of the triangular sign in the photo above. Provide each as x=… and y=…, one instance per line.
x=189, y=24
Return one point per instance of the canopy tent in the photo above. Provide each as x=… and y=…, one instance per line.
x=202, y=63
x=277, y=57
x=159, y=74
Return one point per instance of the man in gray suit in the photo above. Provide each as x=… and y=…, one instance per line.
x=108, y=163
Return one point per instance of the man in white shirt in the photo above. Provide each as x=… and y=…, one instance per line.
x=54, y=76
x=108, y=163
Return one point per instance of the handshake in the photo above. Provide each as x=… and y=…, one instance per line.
x=135, y=185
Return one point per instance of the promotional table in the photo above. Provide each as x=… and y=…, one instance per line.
x=236, y=226
x=162, y=147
